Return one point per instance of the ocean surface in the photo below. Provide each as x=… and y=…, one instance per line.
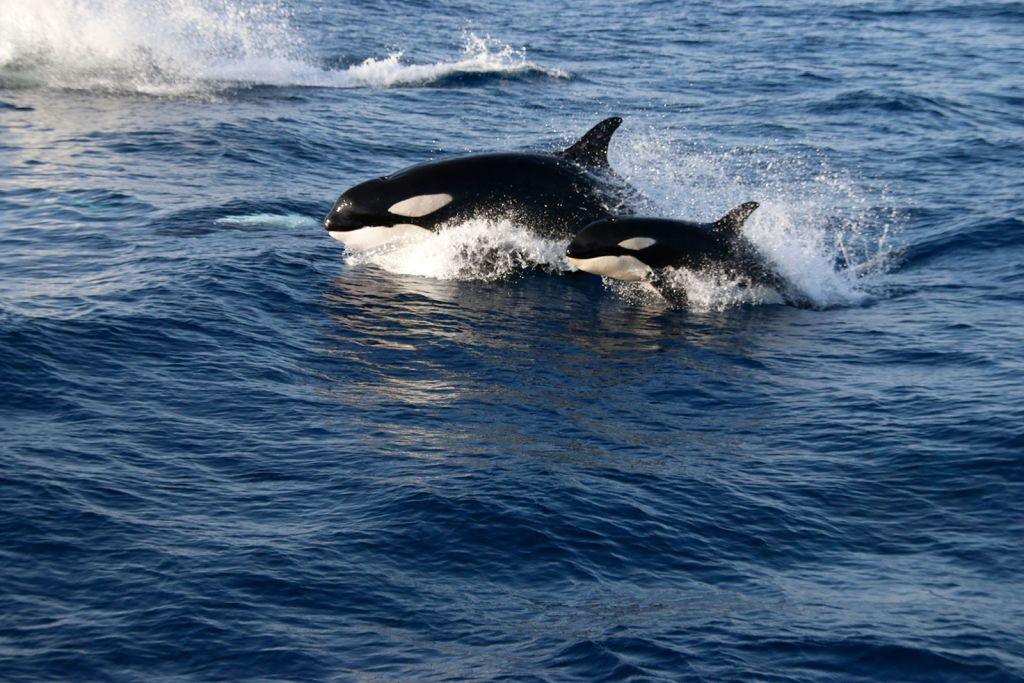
x=231, y=451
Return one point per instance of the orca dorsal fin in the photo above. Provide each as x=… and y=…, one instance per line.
x=592, y=148
x=732, y=222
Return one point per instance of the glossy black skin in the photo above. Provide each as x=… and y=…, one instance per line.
x=555, y=194
x=679, y=244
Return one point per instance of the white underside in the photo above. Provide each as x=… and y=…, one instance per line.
x=373, y=236
x=619, y=267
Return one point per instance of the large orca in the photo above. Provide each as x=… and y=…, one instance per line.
x=554, y=194
x=634, y=248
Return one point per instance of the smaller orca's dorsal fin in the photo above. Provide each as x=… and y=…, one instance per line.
x=592, y=148
x=732, y=222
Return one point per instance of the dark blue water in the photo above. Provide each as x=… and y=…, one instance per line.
x=229, y=451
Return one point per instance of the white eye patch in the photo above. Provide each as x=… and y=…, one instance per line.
x=420, y=205
x=637, y=243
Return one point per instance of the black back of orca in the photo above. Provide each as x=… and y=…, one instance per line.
x=554, y=194
x=549, y=193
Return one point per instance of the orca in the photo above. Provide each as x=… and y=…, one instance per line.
x=553, y=194
x=637, y=248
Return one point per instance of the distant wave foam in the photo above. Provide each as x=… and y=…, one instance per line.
x=479, y=57
x=196, y=47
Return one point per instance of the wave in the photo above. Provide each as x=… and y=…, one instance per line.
x=985, y=235
x=1005, y=11
x=8, y=106
x=892, y=101
x=202, y=47
x=482, y=59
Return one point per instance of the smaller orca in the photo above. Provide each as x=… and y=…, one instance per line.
x=553, y=194
x=635, y=248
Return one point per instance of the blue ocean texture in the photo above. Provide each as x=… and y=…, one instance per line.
x=231, y=451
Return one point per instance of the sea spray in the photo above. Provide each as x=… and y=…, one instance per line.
x=200, y=48
x=828, y=233
x=159, y=47
x=477, y=249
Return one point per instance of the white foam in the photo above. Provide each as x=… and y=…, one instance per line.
x=480, y=55
x=704, y=290
x=187, y=47
x=149, y=46
x=477, y=249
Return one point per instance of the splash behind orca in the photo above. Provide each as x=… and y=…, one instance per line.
x=635, y=248
x=553, y=194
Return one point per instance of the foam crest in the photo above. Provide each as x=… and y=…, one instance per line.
x=199, y=47
x=478, y=249
x=480, y=56
x=829, y=234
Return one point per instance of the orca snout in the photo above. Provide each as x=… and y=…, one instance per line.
x=577, y=246
x=337, y=221
x=581, y=248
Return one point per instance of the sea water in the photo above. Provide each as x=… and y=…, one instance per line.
x=229, y=450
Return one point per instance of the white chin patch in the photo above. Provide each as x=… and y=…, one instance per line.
x=420, y=205
x=374, y=236
x=637, y=243
x=619, y=267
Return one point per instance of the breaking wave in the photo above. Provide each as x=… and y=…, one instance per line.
x=201, y=47
x=480, y=57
